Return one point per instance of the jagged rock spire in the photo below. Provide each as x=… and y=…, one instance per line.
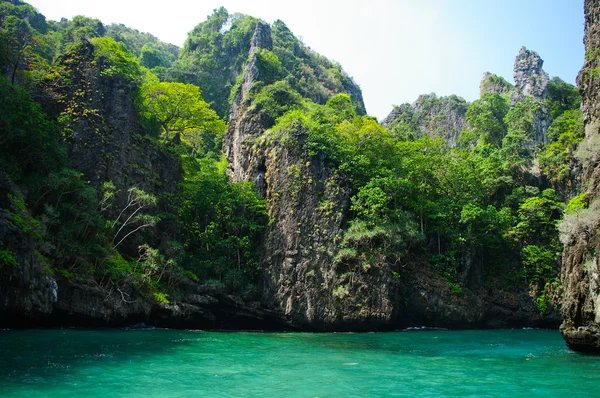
x=530, y=78
x=243, y=125
x=262, y=37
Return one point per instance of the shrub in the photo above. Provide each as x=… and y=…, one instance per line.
x=539, y=263
x=341, y=291
x=7, y=259
x=160, y=298
x=588, y=150
x=580, y=223
x=277, y=99
x=121, y=62
x=268, y=64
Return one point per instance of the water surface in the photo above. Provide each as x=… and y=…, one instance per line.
x=173, y=363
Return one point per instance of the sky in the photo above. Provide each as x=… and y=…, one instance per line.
x=394, y=49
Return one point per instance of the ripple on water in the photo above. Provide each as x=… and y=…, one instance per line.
x=170, y=363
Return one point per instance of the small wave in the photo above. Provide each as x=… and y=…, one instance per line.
x=142, y=326
x=423, y=329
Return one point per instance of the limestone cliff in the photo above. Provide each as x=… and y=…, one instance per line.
x=579, y=231
x=530, y=78
x=444, y=117
x=105, y=142
x=215, y=57
x=430, y=115
x=244, y=125
x=306, y=202
x=104, y=138
x=531, y=82
x=27, y=290
x=307, y=277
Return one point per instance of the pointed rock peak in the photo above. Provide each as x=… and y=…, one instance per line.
x=262, y=37
x=528, y=61
x=530, y=78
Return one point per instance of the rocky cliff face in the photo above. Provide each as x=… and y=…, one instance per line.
x=105, y=142
x=306, y=202
x=444, y=117
x=430, y=115
x=104, y=137
x=441, y=117
x=244, y=125
x=530, y=78
x=531, y=82
x=579, y=232
x=27, y=291
x=306, y=277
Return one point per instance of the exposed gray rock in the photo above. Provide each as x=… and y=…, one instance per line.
x=400, y=114
x=261, y=37
x=429, y=301
x=531, y=82
x=530, y=78
x=27, y=291
x=307, y=203
x=107, y=142
x=541, y=122
x=580, y=274
x=430, y=115
x=245, y=125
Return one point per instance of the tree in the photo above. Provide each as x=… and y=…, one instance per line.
x=486, y=116
x=20, y=37
x=536, y=232
x=221, y=224
x=151, y=57
x=565, y=133
x=562, y=96
x=131, y=215
x=179, y=108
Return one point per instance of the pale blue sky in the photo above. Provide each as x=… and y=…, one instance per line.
x=394, y=49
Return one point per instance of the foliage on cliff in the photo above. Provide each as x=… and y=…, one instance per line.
x=476, y=202
x=216, y=50
x=85, y=231
x=49, y=39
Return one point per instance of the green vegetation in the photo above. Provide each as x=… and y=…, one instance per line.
x=412, y=193
x=562, y=97
x=179, y=108
x=216, y=51
x=486, y=118
x=102, y=233
x=430, y=116
x=121, y=63
x=412, y=196
x=214, y=54
x=151, y=52
x=7, y=259
x=494, y=84
x=222, y=225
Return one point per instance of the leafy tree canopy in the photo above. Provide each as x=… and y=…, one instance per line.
x=179, y=108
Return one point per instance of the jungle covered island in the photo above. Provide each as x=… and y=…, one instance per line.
x=238, y=182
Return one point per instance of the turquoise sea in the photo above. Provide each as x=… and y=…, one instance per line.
x=175, y=363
